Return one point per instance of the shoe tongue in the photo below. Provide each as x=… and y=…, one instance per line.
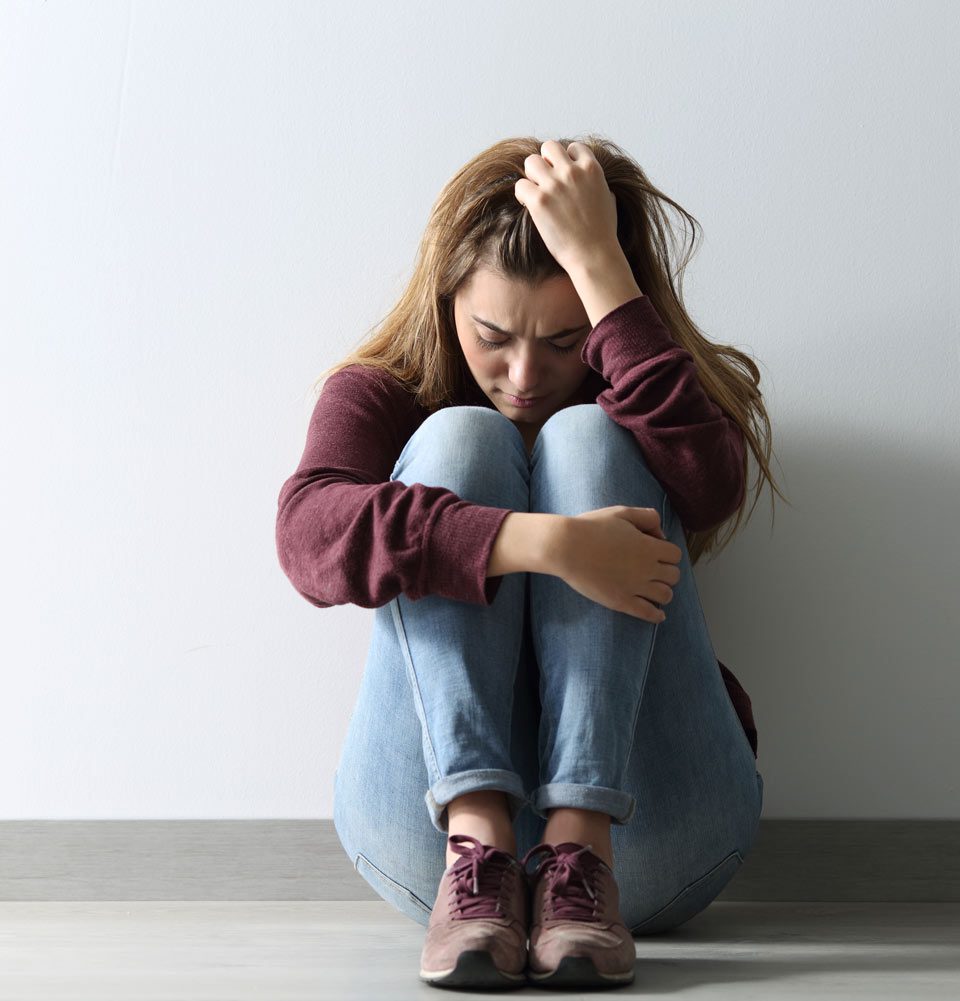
x=569, y=847
x=497, y=854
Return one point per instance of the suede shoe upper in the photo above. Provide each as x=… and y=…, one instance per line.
x=575, y=910
x=482, y=904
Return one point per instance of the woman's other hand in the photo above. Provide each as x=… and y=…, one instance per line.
x=619, y=557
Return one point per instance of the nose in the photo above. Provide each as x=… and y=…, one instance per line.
x=523, y=373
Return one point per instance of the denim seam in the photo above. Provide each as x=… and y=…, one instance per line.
x=653, y=642
x=412, y=674
x=687, y=889
x=414, y=899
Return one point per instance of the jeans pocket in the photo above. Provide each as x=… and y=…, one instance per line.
x=691, y=900
x=394, y=893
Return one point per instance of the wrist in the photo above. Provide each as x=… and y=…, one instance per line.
x=553, y=544
x=528, y=542
x=604, y=280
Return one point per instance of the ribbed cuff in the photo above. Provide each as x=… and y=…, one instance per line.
x=457, y=553
x=632, y=331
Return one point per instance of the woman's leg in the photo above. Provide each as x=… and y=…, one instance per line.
x=461, y=658
x=378, y=785
x=636, y=722
x=443, y=709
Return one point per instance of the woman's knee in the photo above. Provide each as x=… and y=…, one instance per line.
x=584, y=445
x=474, y=451
x=570, y=420
x=460, y=428
x=587, y=429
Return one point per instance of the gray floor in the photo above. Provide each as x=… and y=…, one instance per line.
x=283, y=950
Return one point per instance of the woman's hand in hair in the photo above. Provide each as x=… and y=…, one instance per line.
x=566, y=193
x=619, y=557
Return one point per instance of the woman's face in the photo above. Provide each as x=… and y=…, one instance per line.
x=529, y=361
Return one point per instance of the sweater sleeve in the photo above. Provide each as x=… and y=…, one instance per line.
x=691, y=446
x=348, y=534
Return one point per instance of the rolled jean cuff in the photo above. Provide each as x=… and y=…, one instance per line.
x=620, y=805
x=451, y=786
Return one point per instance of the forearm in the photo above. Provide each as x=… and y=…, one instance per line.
x=604, y=281
x=528, y=542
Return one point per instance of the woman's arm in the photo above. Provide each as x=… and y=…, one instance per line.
x=693, y=448
x=348, y=534
x=528, y=542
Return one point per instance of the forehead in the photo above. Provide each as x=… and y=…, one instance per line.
x=512, y=297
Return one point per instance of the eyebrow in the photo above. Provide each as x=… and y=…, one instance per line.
x=550, y=337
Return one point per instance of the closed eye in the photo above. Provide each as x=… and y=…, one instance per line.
x=496, y=345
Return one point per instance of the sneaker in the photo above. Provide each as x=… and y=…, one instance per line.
x=477, y=933
x=577, y=936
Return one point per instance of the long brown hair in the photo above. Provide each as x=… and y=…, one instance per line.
x=477, y=221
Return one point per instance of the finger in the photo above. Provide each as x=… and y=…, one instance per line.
x=657, y=590
x=644, y=609
x=643, y=516
x=536, y=167
x=669, y=573
x=553, y=152
x=524, y=189
x=581, y=154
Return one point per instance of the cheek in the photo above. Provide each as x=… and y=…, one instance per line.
x=480, y=361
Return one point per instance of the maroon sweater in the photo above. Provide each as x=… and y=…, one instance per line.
x=348, y=534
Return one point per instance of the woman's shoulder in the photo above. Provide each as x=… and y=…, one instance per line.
x=371, y=383
x=370, y=396
x=357, y=375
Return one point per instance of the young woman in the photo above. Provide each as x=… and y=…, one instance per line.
x=518, y=470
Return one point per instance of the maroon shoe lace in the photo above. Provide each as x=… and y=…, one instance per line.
x=477, y=879
x=569, y=874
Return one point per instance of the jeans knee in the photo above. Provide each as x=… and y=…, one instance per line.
x=455, y=425
x=466, y=433
x=461, y=449
x=577, y=415
x=584, y=439
x=587, y=429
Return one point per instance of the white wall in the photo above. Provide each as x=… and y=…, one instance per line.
x=205, y=205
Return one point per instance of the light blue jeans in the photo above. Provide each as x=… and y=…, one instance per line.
x=546, y=695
